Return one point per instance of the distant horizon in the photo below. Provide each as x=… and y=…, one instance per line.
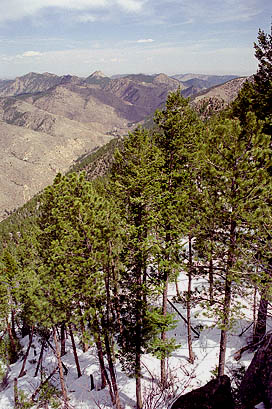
x=124, y=74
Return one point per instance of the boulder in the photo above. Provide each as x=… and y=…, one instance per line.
x=256, y=385
x=216, y=394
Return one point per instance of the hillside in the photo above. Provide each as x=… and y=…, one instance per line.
x=47, y=122
x=227, y=91
x=217, y=97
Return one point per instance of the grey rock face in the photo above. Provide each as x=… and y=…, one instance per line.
x=216, y=394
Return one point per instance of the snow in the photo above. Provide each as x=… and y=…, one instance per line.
x=184, y=375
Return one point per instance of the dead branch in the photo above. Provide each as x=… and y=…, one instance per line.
x=33, y=396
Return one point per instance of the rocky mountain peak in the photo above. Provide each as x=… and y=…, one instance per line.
x=161, y=77
x=97, y=74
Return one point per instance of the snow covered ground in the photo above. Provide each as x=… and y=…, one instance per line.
x=184, y=375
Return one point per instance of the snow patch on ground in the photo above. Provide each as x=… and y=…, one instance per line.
x=185, y=376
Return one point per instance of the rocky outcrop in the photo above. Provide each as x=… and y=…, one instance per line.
x=256, y=386
x=216, y=394
x=165, y=80
x=227, y=92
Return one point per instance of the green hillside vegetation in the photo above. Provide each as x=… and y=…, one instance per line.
x=99, y=162
x=96, y=257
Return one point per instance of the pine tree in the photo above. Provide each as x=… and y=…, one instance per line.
x=177, y=139
x=135, y=182
x=66, y=284
x=236, y=191
x=256, y=95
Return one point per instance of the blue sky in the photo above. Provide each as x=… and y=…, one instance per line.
x=130, y=36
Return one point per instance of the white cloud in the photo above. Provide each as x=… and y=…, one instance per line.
x=145, y=40
x=12, y=10
x=32, y=54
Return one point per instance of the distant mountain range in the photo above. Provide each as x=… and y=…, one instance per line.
x=47, y=121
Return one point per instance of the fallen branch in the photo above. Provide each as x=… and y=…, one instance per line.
x=184, y=319
x=40, y=358
x=33, y=396
x=244, y=330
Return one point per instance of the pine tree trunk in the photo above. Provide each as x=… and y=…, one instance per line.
x=211, y=281
x=223, y=338
x=139, y=401
x=13, y=354
x=164, y=300
x=163, y=334
x=254, y=309
x=112, y=372
x=25, y=330
x=138, y=334
x=62, y=339
x=188, y=304
x=13, y=323
x=227, y=297
x=75, y=352
x=177, y=288
x=101, y=361
x=104, y=376
x=62, y=382
x=105, y=327
x=260, y=328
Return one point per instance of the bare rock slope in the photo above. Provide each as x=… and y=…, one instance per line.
x=218, y=97
x=226, y=92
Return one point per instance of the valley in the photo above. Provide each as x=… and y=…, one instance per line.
x=47, y=121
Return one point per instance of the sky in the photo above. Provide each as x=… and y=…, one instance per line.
x=131, y=36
